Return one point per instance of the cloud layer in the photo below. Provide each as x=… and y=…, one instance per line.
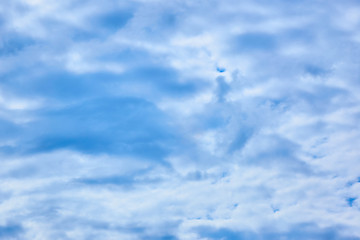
x=179, y=119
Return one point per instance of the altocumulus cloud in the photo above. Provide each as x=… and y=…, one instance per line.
x=180, y=119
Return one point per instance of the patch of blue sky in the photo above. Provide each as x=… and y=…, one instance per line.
x=220, y=69
x=123, y=181
x=302, y=231
x=241, y=138
x=315, y=70
x=11, y=231
x=164, y=79
x=120, y=126
x=350, y=201
x=103, y=25
x=114, y=20
x=254, y=42
x=12, y=43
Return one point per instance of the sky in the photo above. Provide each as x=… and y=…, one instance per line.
x=180, y=119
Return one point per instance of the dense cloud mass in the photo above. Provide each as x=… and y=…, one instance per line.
x=216, y=119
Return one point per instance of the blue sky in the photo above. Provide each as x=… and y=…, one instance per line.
x=180, y=119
